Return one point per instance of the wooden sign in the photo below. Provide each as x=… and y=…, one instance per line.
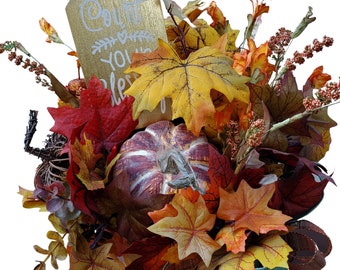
x=107, y=32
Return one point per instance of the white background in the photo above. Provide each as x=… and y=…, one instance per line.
x=21, y=228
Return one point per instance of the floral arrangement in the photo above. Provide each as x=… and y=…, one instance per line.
x=222, y=183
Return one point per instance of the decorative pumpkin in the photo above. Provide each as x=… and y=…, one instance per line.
x=163, y=158
x=151, y=166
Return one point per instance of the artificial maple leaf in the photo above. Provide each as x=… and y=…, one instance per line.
x=200, y=36
x=151, y=251
x=247, y=207
x=167, y=211
x=194, y=37
x=187, y=82
x=82, y=257
x=105, y=125
x=189, y=228
x=227, y=42
x=235, y=240
x=131, y=211
x=83, y=156
x=271, y=252
x=220, y=174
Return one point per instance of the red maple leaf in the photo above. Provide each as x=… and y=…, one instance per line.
x=105, y=125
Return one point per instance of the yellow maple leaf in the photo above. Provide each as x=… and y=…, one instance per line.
x=227, y=42
x=187, y=82
x=272, y=252
x=83, y=257
x=189, y=228
x=86, y=159
x=89, y=173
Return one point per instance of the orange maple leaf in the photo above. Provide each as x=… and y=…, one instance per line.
x=247, y=207
x=187, y=82
x=235, y=240
x=189, y=228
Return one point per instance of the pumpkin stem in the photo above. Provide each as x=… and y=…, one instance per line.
x=173, y=162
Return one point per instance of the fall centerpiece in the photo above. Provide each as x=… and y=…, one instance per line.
x=219, y=180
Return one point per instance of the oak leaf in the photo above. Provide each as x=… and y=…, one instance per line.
x=189, y=228
x=187, y=82
x=247, y=207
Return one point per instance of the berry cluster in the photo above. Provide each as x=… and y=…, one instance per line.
x=232, y=138
x=255, y=133
x=26, y=63
x=300, y=57
x=324, y=96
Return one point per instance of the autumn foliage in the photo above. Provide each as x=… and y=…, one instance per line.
x=223, y=184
